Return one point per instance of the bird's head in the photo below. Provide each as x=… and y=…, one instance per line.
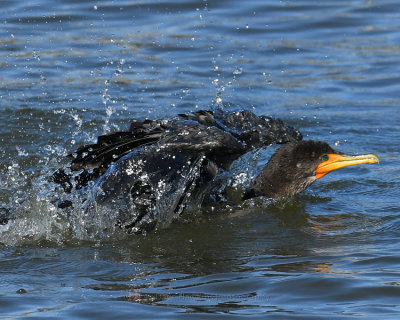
x=295, y=166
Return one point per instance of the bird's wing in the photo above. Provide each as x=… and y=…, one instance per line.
x=252, y=130
x=89, y=162
x=175, y=135
x=221, y=137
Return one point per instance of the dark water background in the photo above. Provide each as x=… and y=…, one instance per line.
x=71, y=70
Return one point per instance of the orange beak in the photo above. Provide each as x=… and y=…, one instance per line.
x=337, y=161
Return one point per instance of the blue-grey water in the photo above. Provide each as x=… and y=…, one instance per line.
x=73, y=70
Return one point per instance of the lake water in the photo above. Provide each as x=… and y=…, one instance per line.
x=72, y=70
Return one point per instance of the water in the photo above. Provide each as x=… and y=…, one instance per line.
x=72, y=70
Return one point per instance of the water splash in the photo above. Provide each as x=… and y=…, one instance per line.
x=228, y=187
x=107, y=99
x=221, y=84
x=103, y=209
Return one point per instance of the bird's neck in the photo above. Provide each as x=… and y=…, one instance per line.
x=276, y=182
x=267, y=184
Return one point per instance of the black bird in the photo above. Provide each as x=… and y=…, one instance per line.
x=147, y=175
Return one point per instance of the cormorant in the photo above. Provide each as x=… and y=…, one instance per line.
x=147, y=175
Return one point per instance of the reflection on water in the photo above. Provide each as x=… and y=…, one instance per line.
x=71, y=71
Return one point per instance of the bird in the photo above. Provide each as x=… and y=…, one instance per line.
x=145, y=177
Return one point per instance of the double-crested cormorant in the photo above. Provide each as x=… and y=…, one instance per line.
x=148, y=174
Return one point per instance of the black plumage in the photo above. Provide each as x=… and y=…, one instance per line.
x=149, y=173
x=221, y=137
x=144, y=177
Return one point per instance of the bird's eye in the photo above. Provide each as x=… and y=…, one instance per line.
x=325, y=157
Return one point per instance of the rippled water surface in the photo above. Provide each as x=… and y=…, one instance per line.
x=72, y=70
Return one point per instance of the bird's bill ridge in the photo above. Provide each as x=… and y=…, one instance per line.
x=337, y=161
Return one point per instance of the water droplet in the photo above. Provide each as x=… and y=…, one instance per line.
x=238, y=71
x=22, y=152
x=36, y=55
